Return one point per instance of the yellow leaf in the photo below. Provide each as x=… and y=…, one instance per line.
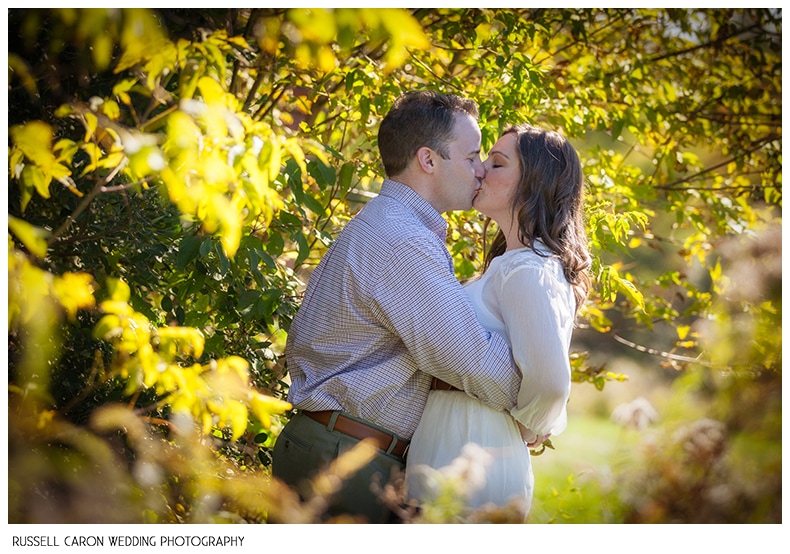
x=91, y=124
x=628, y=288
x=237, y=413
x=317, y=150
x=211, y=91
x=181, y=341
x=271, y=155
x=111, y=109
x=326, y=60
x=715, y=272
x=157, y=65
x=208, y=422
x=230, y=238
x=217, y=172
x=34, y=238
x=236, y=364
x=108, y=327
x=293, y=148
x=118, y=290
x=34, y=177
x=239, y=41
x=94, y=153
x=28, y=290
x=316, y=25
x=65, y=150
x=102, y=50
x=111, y=161
x=142, y=37
x=19, y=69
x=257, y=183
x=263, y=407
x=74, y=291
x=215, y=122
x=405, y=33
x=45, y=419
x=182, y=132
x=35, y=140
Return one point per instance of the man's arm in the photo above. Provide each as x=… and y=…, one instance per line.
x=421, y=301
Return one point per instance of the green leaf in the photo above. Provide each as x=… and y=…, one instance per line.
x=304, y=248
x=247, y=299
x=347, y=171
x=188, y=251
x=205, y=247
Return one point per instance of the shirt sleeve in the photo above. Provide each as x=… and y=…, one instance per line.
x=422, y=302
x=538, y=318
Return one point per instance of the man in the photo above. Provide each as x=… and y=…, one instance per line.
x=383, y=314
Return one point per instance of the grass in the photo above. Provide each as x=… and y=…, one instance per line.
x=573, y=482
x=581, y=481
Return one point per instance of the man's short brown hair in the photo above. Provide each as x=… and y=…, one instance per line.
x=417, y=119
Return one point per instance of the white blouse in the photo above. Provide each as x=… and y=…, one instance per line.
x=526, y=298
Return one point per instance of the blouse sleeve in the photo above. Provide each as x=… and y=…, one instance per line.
x=536, y=310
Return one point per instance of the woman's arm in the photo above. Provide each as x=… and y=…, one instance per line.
x=537, y=311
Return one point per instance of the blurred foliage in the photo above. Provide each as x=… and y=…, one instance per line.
x=690, y=476
x=176, y=173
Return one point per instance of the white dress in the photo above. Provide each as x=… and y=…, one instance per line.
x=465, y=446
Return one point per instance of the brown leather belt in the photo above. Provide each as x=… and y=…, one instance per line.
x=359, y=430
x=438, y=384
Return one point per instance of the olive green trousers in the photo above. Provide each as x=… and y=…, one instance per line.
x=305, y=447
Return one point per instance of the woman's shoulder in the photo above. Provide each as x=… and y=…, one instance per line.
x=524, y=257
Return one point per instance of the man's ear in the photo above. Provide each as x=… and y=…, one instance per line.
x=425, y=157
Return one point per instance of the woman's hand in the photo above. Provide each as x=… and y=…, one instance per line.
x=531, y=439
x=538, y=442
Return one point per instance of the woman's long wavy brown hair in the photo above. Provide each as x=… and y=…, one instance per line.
x=549, y=204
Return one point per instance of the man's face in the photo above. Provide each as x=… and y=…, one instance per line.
x=460, y=174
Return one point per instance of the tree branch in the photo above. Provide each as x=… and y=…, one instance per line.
x=758, y=146
x=665, y=355
x=97, y=189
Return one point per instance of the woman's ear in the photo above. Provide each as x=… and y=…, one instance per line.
x=425, y=157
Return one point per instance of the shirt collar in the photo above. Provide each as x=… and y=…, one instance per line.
x=404, y=194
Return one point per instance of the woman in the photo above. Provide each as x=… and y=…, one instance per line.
x=536, y=279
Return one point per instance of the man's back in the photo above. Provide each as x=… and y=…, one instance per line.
x=343, y=352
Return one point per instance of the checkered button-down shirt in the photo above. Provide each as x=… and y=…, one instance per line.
x=383, y=312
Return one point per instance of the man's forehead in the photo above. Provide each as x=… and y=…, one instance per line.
x=466, y=132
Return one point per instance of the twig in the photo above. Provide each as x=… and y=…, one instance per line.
x=98, y=188
x=667, y=355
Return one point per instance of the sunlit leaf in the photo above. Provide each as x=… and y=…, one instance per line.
x=34, y=238
x=74, y=291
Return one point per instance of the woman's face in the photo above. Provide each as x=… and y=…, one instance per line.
x=503, y=173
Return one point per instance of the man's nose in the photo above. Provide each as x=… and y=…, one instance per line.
x=480, y=170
